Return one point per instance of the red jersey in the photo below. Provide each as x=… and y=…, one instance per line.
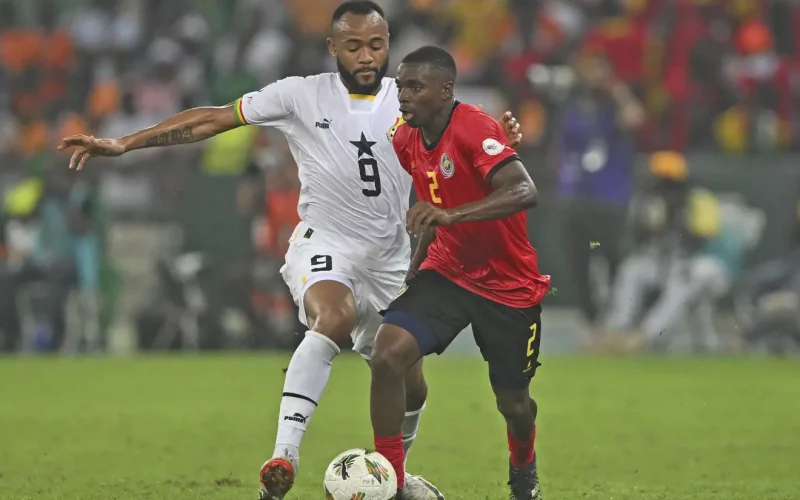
x=493, y=259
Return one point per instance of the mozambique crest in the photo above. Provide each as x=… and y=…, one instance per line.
x=447, y=166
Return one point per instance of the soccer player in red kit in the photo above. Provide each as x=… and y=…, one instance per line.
x=474, y=263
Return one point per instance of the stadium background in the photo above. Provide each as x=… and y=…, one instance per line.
x=717, y=81
x=179, y=248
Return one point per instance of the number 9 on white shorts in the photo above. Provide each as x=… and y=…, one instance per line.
x=312, y=258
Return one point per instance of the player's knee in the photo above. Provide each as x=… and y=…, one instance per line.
x=394, y=353
x=335, y=321
x=416, y=388
x=514, y=404
x=331, y=310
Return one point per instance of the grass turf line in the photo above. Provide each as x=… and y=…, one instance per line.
x=199, y=428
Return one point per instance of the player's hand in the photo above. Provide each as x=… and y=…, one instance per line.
x=512, y=129
x=510, y=126
x=87, y=146
x=423, y=215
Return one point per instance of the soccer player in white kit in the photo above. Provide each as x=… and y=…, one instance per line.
x=350, y=254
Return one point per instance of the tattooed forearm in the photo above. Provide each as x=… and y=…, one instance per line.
x=170, y=137
x=192, y=125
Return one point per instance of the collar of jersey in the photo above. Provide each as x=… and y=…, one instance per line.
x=444, y=130
x=375, y=100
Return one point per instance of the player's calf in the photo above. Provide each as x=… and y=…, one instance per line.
x=416, y=387
x=519, y=411
x=394, y=353
x=416, y=395
x=415, y=487
x=331, y=316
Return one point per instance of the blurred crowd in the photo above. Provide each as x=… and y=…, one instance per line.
x=106, y=66
x=593, y=82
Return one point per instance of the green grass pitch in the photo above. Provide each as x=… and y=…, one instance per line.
x=178, y=428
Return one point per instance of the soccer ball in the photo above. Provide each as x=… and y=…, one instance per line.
x=360, y=474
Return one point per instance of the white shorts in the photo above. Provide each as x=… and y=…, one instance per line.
x=312, y=258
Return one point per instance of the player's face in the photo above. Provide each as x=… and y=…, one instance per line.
x=423, y=93
x=361, y=47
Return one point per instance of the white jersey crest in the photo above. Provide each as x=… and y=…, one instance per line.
x=353, y=187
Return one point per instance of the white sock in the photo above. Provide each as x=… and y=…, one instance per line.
x=410, y=428
x=306, y=378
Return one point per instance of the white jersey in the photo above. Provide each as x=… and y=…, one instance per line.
x=352, y=185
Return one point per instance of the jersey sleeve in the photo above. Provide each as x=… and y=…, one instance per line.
x=271, y=106
x=484, y=140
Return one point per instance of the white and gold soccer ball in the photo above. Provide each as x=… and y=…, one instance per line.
x=360, y=474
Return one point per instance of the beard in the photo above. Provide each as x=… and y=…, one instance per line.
x=354, y=86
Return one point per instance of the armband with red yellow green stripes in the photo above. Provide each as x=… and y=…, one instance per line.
x=237, y=108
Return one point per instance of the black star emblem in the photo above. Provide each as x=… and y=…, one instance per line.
x=364, y=146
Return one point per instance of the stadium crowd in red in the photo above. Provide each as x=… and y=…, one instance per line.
x=711, y=72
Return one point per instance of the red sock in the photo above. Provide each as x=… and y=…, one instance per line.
x=392, y=449
x=522, y=452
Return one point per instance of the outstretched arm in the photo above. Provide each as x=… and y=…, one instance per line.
x=188, y=126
